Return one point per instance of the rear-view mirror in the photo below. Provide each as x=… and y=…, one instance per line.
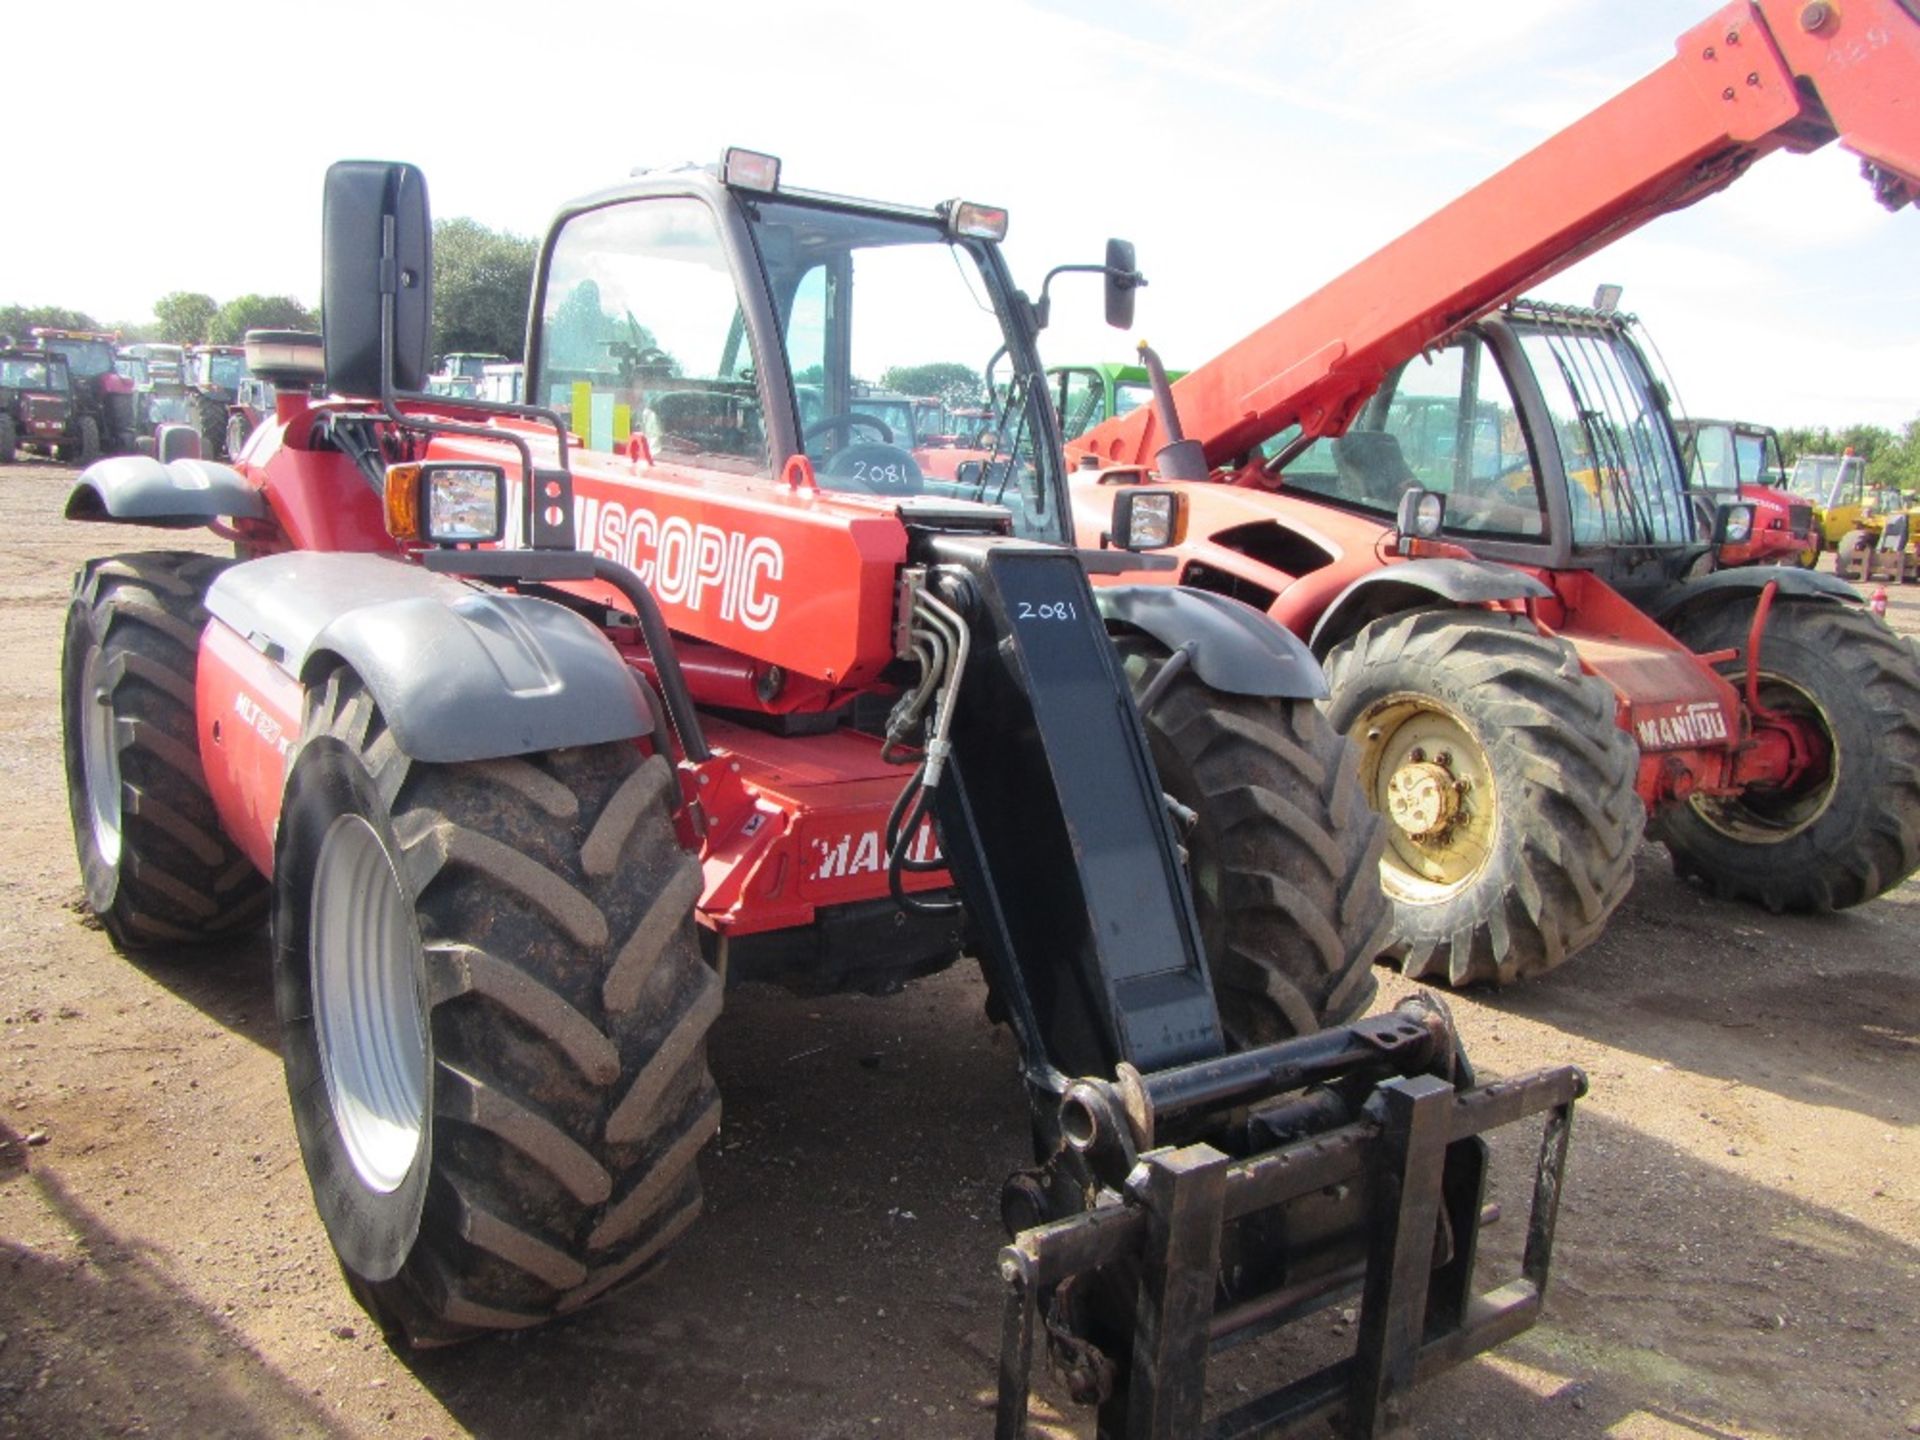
x=377, y=239
x=1122, y=280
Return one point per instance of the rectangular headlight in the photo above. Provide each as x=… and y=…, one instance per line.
x=749, y=170
x=1149, y=519
x=446, y=503
x=976, y=222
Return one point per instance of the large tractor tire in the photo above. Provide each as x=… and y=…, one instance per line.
x=9, y=440
x=86, y=445
x=155, y=865
x=1508, y=787
x=1284, y=853
x=1850, y=830
x=494, y=1013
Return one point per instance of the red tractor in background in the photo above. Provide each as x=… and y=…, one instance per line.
x=36, y=403
x=1475, y=509
x=103, y=398
x=1738, y=462
x=532, y=726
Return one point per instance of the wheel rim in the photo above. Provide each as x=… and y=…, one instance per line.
x=1768, y=816
x=368, y=1009
x=100, y=758
x=1424, y=770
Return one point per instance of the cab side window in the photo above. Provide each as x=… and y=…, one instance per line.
x=642, y=334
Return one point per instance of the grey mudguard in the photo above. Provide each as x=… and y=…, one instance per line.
x=1462, y=582
x=460, y=672
x=1725, y=585
x=1238, y=650
x=139, y=490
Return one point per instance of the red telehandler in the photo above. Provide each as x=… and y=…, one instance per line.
x=1475, y=509
x=530, y=726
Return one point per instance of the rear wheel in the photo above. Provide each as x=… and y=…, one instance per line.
x=1508, y=787
x=9, y=440
x=494, y=1015
x=154, y=863
x=1284, y=854
x=1849, y=828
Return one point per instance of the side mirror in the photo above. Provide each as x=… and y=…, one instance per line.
x=1122, y=280
x=377, y=242
x=1148, y=519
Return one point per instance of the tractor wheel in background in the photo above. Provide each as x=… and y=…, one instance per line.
x=1854, y=546
x=237, y=432
x=494, y=1013
x=155, y=865
x=1848, y=831
x=87, y=440
x=9, y=440
x=1507, y=784
x=210, y=419
x=1284, y=853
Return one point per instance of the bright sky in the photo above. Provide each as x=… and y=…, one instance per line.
x=1252, y=150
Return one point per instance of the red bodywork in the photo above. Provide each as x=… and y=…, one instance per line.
x=1741, y=85
x=1779, y=536
x=781, y=597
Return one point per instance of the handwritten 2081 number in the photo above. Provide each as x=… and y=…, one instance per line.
x=1048, y=610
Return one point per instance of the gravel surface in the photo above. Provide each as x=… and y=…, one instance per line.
x=1739, y=1247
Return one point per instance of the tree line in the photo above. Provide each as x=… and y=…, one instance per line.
x=482, y=282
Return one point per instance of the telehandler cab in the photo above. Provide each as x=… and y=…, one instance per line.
x=533, y=725
x=1474, y=508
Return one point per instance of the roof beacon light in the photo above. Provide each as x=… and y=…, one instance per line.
x=976, y=222
x=749, y=169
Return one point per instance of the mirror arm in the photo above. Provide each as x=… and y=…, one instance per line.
x=1043, y=307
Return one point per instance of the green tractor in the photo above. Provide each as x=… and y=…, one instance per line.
x=1086, y=395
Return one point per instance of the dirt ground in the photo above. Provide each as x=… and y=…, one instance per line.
x=1739, y=1248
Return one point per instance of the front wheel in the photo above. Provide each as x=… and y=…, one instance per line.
x=1283, y=853
x=237, y=432
x=9, y=440
x=1507, y=783
x=494, y=1016
x=87, y=440
x=1847, y=828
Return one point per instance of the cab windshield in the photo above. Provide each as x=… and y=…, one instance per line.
x=86, y=358
x=225, y=372
x=1444, y=421
x=32, y=375
x=643, y=336
x=876, y=302
x=1825, y=479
